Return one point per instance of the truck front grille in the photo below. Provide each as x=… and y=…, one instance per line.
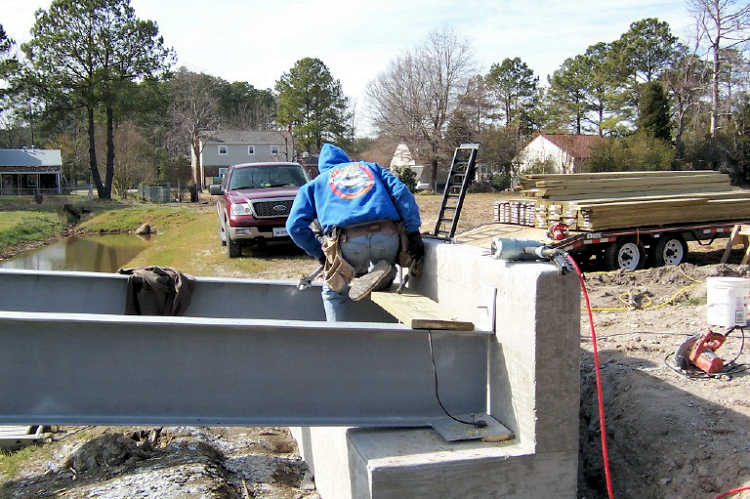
x=273, y=208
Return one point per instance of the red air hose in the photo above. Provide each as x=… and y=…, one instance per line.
x=603, y=428
x=731, y=492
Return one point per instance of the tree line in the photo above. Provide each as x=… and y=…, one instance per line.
x=101, y=84
x=662, y=102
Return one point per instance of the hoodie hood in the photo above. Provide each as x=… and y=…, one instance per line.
x=330, y=156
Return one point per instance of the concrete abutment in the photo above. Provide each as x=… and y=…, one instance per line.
x=532, y=388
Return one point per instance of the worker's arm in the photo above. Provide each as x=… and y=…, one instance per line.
x=298, y=224
x=403, y=199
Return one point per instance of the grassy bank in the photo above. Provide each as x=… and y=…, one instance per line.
x=19, y=227
x=24, y=222
x=128, y=218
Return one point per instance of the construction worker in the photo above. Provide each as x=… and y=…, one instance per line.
x=370, y=221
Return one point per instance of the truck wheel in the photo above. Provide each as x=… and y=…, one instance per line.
x=233, y=248
x=670, y=250
x=625, y=255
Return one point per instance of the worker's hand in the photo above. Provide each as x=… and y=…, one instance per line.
x=416, y=246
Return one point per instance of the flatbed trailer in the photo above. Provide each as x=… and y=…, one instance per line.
x=631, y=248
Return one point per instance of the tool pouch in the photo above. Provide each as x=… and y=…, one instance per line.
x=338, y=272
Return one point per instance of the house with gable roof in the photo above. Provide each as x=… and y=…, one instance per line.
x=220, y=149
x=563, y=153
x=402, y=158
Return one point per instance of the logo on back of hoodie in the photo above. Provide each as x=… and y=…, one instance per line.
x=351, y=181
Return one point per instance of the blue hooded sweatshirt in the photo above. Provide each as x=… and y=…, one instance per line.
x=348, y=193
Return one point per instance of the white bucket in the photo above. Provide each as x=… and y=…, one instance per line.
x=727, y=299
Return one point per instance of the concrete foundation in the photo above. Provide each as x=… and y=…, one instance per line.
x=533, y=389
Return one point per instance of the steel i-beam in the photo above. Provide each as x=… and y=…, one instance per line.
x=115, y=369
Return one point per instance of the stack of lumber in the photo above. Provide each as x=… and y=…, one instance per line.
x=599, y=201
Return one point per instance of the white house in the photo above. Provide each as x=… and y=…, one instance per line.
x=24, y=171
x=223, y=148
x=563, y=153
x=402, y=157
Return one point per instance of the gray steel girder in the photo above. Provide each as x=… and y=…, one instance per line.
x=70, y=368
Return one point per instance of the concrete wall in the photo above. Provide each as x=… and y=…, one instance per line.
x=533, y=389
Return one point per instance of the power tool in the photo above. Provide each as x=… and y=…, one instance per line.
x=508, y=249
x=700, y=351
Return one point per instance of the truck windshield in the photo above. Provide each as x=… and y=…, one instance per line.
x=261, y=177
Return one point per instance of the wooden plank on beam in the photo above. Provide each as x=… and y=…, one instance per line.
x=417, y=311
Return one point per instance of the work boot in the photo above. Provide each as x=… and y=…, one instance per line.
x=360, y=287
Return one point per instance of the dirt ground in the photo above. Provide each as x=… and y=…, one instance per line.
x=668, y=435
x=175, y=462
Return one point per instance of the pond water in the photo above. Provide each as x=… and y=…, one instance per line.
x=88, y=254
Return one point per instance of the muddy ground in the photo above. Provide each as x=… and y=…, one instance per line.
x=669, y=436
x=173, y=462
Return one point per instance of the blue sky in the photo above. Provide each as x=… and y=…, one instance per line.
x=256, y=41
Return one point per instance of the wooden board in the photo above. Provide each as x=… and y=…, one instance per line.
x=600, y=175
x=417, y=311
x=600, y=201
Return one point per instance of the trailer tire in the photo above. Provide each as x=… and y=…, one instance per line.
x=670, y=250
x=625, y=255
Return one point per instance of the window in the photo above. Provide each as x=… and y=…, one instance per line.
x=223, y=151
x=275, y=150
x=261, y=177
x=222, y=172
x=251, y=150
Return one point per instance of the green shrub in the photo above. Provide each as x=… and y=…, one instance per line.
x=638, y=152
x=540, y=167
x=500, y=181
x=407, y=176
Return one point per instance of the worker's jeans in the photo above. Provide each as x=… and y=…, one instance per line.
x=362, y=252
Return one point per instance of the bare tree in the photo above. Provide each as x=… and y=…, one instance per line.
x=725, y=24
x=132, y=165
x=414, y=98
x=195, y=107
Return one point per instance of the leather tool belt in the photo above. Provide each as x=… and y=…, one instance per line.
x=381, y=226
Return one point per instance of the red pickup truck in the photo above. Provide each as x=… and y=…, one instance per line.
x=255, y=202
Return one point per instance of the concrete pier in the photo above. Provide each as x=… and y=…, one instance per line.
x=533, y=389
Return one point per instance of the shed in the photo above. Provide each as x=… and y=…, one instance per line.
x=24, y=171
